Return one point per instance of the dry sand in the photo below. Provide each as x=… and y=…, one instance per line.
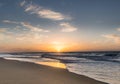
x=15, y=72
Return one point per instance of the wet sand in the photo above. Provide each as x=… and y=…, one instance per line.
x=15, y=72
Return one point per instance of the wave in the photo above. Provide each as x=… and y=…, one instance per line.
x=100, y=66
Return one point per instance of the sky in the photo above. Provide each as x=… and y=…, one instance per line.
x=59, y=25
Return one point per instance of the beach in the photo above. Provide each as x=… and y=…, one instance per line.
x=15, y=72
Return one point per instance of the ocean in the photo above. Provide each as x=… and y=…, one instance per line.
x=102, y=66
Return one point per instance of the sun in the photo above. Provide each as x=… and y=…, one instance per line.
x=58, y=46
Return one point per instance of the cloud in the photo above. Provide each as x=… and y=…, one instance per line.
x=30, y=36
x=10, y=22
x=114, y=37
x=43, y=12
x=27, y=25
x=22, y=3
x=24, y=31
x=67, y=27
x=118, y=29
x=32, y=8
x=4, y=33
x=33, y=28
x=33, y=36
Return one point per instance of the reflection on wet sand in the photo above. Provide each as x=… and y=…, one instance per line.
x=53, y=64
x=47, y=62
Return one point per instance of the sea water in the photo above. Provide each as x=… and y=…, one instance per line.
x=98, y=66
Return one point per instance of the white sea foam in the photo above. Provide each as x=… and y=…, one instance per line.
x=103, y=71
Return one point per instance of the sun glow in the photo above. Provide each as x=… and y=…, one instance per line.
x=58, y=46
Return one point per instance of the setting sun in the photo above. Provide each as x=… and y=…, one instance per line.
x=58, y=46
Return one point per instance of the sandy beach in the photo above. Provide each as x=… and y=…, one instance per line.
x=15, y=72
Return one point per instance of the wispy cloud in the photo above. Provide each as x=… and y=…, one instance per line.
x=67, y=27
x=114, y=37
x=10, y=22
x=4, y=33
x=26, y=36
x=118, y=29
x=33, y=28
x=30, y=36
x=43, y=12
x=27, y=25
x=22, y=3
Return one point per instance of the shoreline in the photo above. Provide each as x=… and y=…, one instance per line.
x=33, y=73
